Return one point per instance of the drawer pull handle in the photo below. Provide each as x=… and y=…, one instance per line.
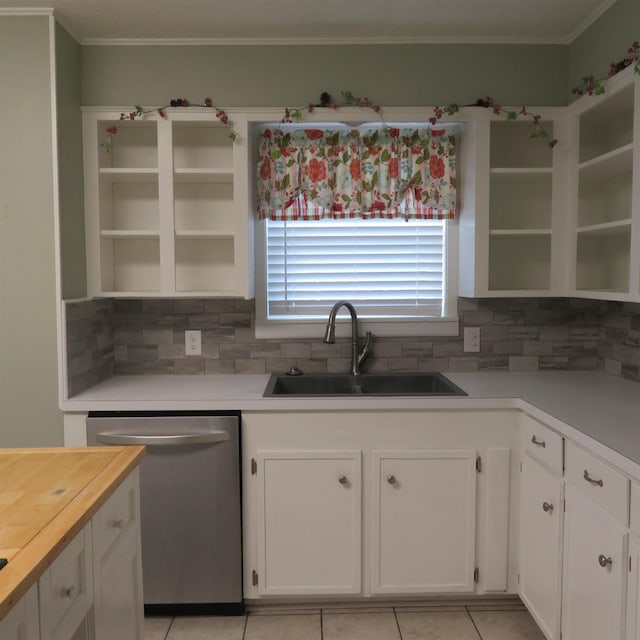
x=603, y=561
x=343, y=480
x=68, y=592
x=391, y=479
x=588, y=478
x=547, y=507
x=538, y=443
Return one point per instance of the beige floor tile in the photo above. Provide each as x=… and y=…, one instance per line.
x=156, y=628
x=436, y=625
x=355, y=609
x=506, y=625
x=359, y=626
x=287, y=611
x=207, y=627
x=284, y=627
x=430, y=607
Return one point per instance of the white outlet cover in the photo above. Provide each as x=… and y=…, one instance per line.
x=193, y=343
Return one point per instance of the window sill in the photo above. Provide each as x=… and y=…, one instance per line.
x=283, y=329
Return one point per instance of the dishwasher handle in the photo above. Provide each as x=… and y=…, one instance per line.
x=209, y=437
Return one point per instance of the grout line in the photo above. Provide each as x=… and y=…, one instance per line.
x=473, y=622
x=395, y=615
x=166, y=635
x=321, y=625
x=244, y=629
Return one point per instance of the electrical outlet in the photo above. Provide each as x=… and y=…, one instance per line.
x=193, y=343
x=472, y=339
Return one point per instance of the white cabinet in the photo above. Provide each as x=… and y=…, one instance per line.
x=166, y=208
x=633, y=590
x=65, y=589
x=309, y=514
x=595, y=571
x=606, y=232
x=423, y=526
x=117, y=565
x=22, y=622
x=540, y=566
x=516, y=244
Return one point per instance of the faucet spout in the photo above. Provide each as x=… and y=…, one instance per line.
x=357, y=356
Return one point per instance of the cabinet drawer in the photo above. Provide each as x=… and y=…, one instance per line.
x=601, y=482
x=65, y=589
x=542, y=443
x=635, y=508
x=117, y=516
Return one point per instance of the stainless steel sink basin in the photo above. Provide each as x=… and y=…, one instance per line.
x=376, y=384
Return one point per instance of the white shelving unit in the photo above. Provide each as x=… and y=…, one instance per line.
x=167, y=211
x=518, y=232
x=606, y=230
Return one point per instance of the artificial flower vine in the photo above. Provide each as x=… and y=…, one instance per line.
x=588, y=85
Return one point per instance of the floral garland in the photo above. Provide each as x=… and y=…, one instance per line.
x=588, y=85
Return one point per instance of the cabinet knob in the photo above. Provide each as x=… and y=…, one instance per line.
x=603, y=561
x=118, y=524
x=343, y=480
x=547, y=507
x=391, y=479
x=588, y=478
x=538, y=443
x=68, y=592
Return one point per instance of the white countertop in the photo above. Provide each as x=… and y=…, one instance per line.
x=595, y=409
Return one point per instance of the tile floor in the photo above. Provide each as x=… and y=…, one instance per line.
x=473, y=622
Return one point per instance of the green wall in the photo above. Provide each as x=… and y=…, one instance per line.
x=273, y=75
x=29, y=415
x=72, y=245
x=605, y=41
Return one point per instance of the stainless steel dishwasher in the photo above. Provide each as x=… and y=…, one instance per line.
x=190, y=506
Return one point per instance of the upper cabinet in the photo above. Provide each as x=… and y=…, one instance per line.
x=167, y=211
x=515, y=247
x=605, y=234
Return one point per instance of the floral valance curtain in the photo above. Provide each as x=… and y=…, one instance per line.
x=379, y=173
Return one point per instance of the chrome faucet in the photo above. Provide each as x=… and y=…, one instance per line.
x=357, y=356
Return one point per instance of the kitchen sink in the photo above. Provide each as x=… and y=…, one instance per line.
x=373, y=384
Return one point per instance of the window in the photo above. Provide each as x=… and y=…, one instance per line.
x=394, y=270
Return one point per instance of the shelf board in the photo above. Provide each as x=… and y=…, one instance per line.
x=132, y=234
x=520, y=232
x=198, y=234
x=607, y=228
x=129, y=175
x=608, y=164
x=520, y=174
x=203, y=175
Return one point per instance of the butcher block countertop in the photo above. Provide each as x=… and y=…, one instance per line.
x=46, y=496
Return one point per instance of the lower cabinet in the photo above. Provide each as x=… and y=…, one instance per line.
x=633, y=590
x=540, y=563
x=595, y=571
x=309, y=515
x=117, y=565
x=423, y=524
x=22, y=622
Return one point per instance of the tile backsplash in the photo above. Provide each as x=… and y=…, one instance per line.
x=146, y=336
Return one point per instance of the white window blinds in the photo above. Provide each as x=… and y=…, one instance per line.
x=386, y=268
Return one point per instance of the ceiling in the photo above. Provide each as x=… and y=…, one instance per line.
x=322, y=21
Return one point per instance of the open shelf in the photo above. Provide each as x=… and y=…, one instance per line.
x=204, y=264
x=603, y=259
x=135, y=145
x=202, y=145
x=520, y=201
x=130, y=265
x=512, y=146
x=518, y=262
x=608, y=125
x=129, y=205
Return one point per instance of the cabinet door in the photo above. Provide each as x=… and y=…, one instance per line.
x=595, y=571
x=633, y=592
x=424, y=505
x=309, y=522
x=541, y=508
x=118, y=607
x=21, y=623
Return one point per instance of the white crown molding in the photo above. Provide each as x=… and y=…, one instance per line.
x=377, y=40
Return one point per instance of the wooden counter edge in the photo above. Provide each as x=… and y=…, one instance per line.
x=32, y=561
